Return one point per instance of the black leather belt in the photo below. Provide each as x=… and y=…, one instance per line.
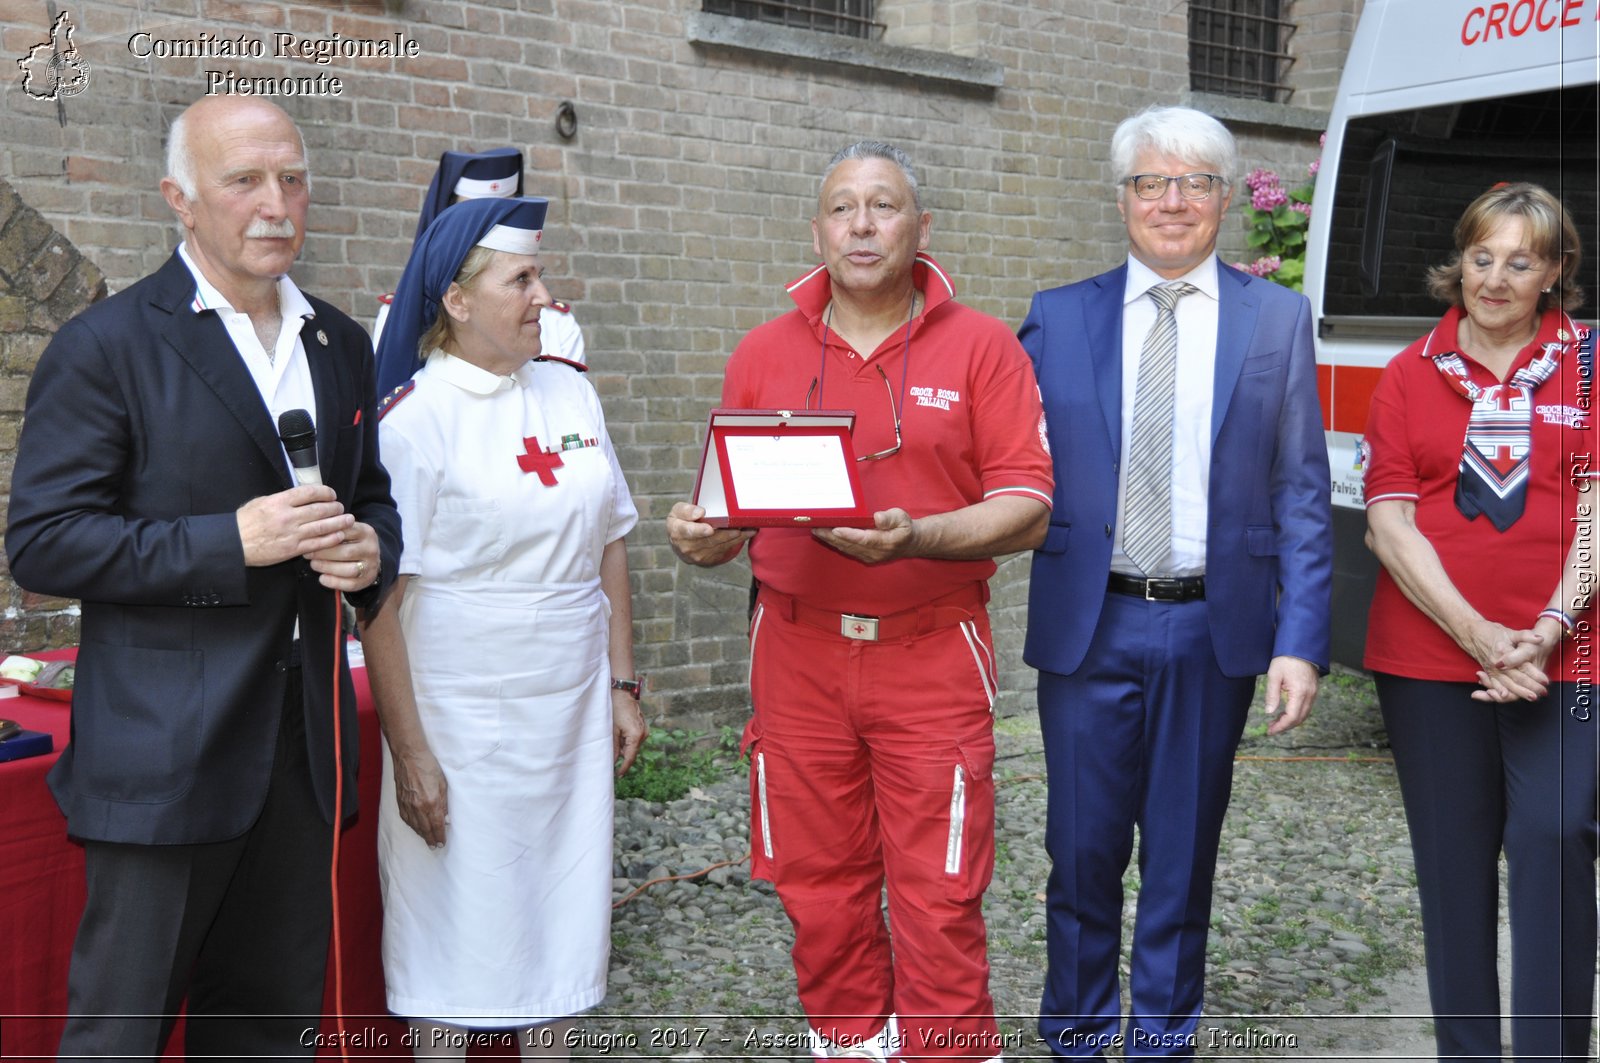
x=1185, y=589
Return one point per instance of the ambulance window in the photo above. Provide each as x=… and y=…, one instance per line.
x=1436, y=161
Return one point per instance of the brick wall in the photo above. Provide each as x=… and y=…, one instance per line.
x=1320, y=43
x=681, y=205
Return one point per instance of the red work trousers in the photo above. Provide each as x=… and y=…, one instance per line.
x=871, y=763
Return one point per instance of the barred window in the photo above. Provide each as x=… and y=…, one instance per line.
x=849, y=18
x=1240, y=48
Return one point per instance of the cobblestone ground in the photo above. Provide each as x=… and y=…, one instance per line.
x=1315, y=922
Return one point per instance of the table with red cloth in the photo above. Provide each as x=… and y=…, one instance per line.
x=42, y=896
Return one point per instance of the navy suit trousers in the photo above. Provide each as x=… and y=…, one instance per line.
x=1142, y=735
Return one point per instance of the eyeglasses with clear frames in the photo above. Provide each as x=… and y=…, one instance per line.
x=1190, y=185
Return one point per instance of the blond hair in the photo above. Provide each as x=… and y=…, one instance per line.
x=441, y=334
x=1546, y=226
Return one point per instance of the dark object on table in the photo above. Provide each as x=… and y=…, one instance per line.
x=26, y=744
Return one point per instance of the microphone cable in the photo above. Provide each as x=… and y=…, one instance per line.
x=298, y=433
x=338, y=828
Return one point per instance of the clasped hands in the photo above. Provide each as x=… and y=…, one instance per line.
x=1511, y=662
x=309, y=521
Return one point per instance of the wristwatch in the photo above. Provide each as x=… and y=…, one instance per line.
x=630, y=685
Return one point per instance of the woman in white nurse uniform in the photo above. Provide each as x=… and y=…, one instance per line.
x=502, y=662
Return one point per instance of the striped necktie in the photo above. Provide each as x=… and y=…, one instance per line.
x=1147, y=520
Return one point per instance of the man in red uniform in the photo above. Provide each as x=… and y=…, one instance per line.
x=872, y=669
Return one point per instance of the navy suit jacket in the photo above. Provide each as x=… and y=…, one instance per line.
x=144, y=433
x=1269, y=540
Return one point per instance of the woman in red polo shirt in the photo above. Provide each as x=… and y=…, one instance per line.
x=1475, y=435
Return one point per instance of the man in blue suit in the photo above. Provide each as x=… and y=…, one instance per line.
x=1189, y=550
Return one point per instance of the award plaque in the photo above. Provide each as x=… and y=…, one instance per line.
x=780, y=468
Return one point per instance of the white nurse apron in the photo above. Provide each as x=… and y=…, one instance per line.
x=508, y=924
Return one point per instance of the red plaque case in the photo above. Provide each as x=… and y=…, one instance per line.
x=780, y=469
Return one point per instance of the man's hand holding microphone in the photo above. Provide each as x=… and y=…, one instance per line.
x=308, y=520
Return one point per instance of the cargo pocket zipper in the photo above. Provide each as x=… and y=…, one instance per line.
x=761, y=795
x=958, y=817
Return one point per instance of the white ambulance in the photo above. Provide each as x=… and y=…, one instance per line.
x=1439, y=101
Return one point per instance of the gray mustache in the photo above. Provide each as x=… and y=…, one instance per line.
x=267, y=230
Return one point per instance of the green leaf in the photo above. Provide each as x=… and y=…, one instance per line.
x=673, y=762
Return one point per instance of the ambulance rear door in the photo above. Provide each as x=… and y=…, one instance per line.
x=1439, y=101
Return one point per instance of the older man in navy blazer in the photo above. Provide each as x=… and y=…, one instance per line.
x=151, y=483
x=1189, y=551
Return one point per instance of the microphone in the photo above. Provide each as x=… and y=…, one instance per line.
x=299, y=437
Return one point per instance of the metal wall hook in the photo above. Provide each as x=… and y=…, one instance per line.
x=566, y=120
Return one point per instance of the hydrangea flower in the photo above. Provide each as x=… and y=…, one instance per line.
x=1260, y=178
x=1276, y=236
x=1268, y=197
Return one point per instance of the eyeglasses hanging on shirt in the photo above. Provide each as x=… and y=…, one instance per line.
x=895, y=408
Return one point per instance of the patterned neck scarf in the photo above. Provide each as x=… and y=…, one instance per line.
x=1493, y=475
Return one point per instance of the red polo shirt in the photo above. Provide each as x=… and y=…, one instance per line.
x=971, y=425
x=1415, y=431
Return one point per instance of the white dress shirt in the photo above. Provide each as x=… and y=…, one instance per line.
x=284, y=379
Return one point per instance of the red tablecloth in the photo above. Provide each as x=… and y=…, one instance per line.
x=42, y=894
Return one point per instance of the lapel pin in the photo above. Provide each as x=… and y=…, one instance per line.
x=322, y=337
